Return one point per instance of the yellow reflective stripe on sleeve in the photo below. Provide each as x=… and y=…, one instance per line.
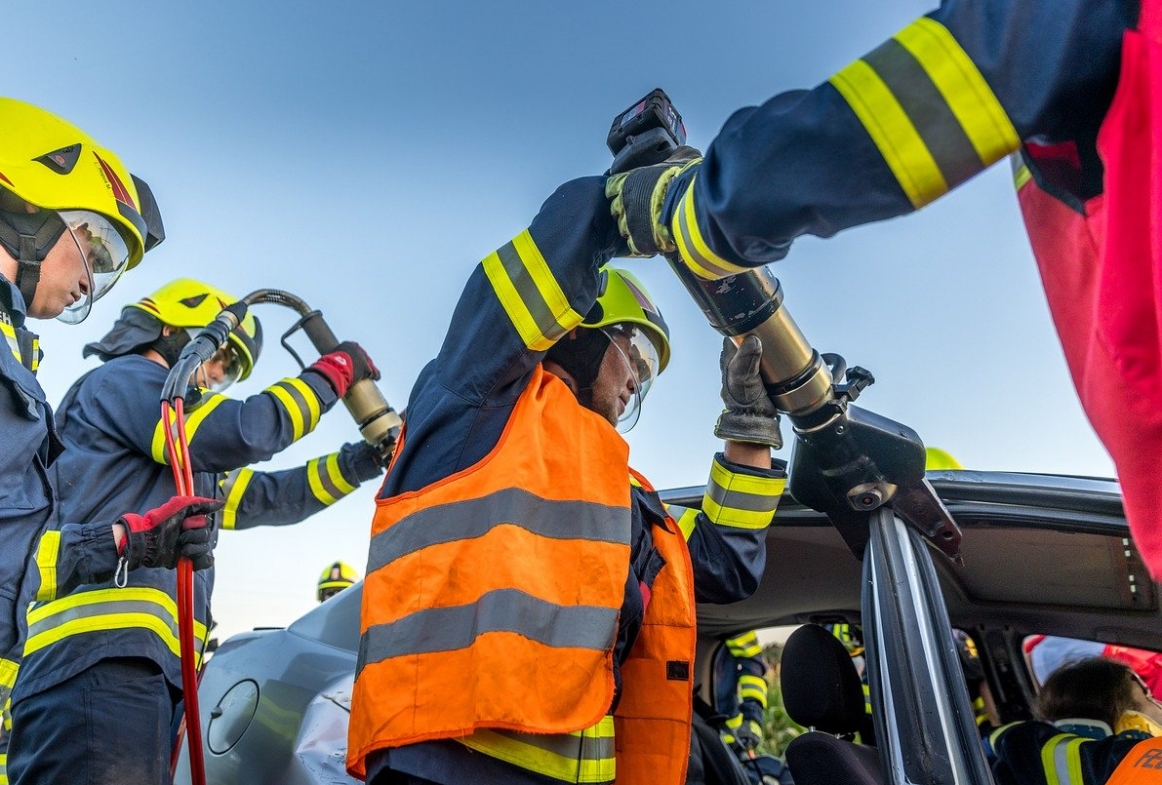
x=300, y=403
x=109, y=609
x=1061, y=760
x=745, y=645
x=752, y=688
x=47, y=552
x=893, y=133
x=928, y=110
x=233, y=487
x=741, y=501
x=685, y=517
x=4, y=769
x=867, y=706
x=585, y=756
x=696, y=253
x=326, y=481
x=525, y=286
x=194, y=419
x=973, y=103
x=10, y=335
x=1021, y=173
x=8, y=671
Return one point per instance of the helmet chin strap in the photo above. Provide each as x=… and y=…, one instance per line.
x=28, y=237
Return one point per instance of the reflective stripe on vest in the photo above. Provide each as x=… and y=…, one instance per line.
x=1141, y=766
x=109, y=609
x=497, y=604
x=1061, y=759
x=1100, y=265
x=585, y=756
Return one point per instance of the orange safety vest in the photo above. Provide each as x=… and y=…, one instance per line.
x=1142, y=766
x=1102, y=272
x=492, y=597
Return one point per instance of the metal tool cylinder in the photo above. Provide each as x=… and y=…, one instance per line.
x=751, y=303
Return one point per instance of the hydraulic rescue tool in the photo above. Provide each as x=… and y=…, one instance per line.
x=847, y=461
x=866, y=473
x=378, y=422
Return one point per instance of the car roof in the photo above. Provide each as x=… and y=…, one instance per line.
x=1041, y=554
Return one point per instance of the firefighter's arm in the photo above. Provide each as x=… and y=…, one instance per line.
x=946, y=97
x=225, y=433
x=727, y=538
x=285, y=497
x=517, y=303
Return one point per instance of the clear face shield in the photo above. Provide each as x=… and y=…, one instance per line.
x=104, y=254
x=641, y=357
x=221, y=370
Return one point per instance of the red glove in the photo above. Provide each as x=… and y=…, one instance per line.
x=346, y=364
x=177, y=528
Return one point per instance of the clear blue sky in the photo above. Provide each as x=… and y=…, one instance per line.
x=365, y=155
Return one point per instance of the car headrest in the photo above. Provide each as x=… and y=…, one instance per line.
x=821, y=688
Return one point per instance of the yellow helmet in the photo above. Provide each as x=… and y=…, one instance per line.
x=624, y=300
x=335, y=578
x=192, y=304
x=936, y=459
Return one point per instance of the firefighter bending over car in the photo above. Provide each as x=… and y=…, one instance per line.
x=72, y=220
x=528, y=596
x=1073, y=87
x=116, y=637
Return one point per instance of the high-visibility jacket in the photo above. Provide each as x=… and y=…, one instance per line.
x=516, y=304
x=1101, y=264
x=949, y=95
x=1141, y=766
x=27, y=500
x=512, y=579
x=1039, y=753
x=115, y=462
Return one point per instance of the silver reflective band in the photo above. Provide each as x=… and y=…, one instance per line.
x=554, y=519
x=503, y=610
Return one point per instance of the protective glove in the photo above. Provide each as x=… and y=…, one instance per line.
x=636, y=198
x=344, y=365
x=159, y=537
x=750, y=415
x=749, y=735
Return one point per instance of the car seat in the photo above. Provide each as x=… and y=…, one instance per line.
x=822, y=691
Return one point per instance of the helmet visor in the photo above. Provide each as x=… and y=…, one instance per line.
x=104, y=253
x=641, y=356
x=221, y=370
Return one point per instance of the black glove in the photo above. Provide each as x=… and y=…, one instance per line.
x=367, y=461
x=750, y=415
x=177, y=528
x=636, y=198
x=344, y=365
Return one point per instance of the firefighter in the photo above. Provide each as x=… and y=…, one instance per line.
x=949, y=95
x=1096, y=714
x=527, y=586
x=118, y=638
x=336, y=577
x=740, y=688
x=72, y=219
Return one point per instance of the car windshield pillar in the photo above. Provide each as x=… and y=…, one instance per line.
x=924, y=722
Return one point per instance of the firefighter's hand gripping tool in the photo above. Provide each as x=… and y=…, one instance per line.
x=847, y=461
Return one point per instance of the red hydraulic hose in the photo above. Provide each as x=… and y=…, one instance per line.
x=178, y=449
